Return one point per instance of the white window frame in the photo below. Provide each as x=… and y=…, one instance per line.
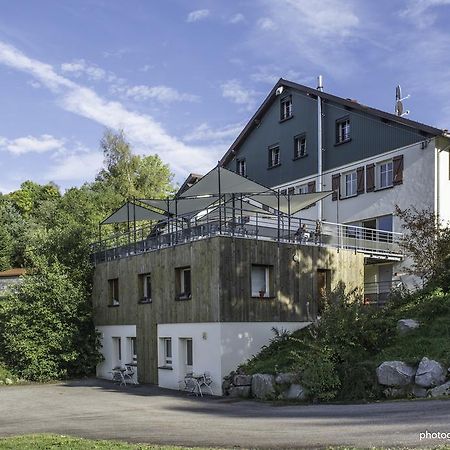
x=257, y=289
x=299, y=146
x=132, y=348
x=183, y=295
x=167, y=351
x=145, y=286
x=343, y=130
x=301, y=189
x=349, y=184
x=286, y=107
x=385, y=174
x=275, y=157
x=242, y=167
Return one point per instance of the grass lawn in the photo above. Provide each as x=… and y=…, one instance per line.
x=53, y=441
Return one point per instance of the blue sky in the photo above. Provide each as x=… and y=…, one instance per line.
x=183, y=77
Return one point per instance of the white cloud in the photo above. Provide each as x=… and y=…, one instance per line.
x=267, y=24
x=237, y=18
x=76, y=166
x=418, y=11
x=320, y=36
x=141, y=129
x=224, y=135
x=161, y=93
x=199, y=14
x=270, y=74
x=31, y=144
x=79, y=67
x=234, y=91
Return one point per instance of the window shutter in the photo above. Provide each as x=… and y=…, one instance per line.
x=311, y=186
x=370, y=177
x=335, y=185
x=398, y=170
x=269, y=158
x=360, y=180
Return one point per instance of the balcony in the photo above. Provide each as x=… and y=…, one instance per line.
x=283, y=229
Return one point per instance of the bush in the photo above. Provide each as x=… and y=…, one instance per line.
x=41, y=327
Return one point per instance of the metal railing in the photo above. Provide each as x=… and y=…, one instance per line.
x=283, y=229
x=378, y=293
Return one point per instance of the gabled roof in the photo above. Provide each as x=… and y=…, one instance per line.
x=191, y=179
x=350, y=104
x=12, y=273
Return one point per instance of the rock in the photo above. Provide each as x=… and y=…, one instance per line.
x=395, y=373
x=226, y=385
x=405, y=325
x=395, y=392
x=429, y=373
x=242, y=380
x=295, y=392
x=285, y=378
x=239, y=391
x=439, y=391
x=263, y=386
x=419, y=391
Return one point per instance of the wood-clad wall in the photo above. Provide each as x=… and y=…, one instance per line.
x=221, y=287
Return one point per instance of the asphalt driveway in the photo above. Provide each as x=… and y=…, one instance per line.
x=100, y=410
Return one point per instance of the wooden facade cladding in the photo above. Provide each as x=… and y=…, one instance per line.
x=221, y=287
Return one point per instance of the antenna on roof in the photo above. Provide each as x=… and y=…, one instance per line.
x=399, y=111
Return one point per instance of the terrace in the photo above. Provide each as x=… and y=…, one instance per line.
x=223, y=203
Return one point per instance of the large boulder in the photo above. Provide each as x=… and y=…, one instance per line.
x=242, y=380
x=429, y=373
x=239, y=391
x=395, y=373
x=295, y=392
x=285, y=378
x=406, y=325
x=439, y=391
x=419, y=392
x=263, y=386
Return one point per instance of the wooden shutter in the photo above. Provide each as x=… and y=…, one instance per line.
x=360, y=180
x=398, y=170
x=370, y=177
x=335, y=185
x=311, y=186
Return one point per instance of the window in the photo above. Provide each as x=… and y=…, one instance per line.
x=113, y=294
x=274, y=156
x=385, y=172
x=132, y=347
x=241, y=167
x=117, y=348
x=286, y=108
x=183, y=281
x=189, y=354
x=299, y=146
x=145, y=288
x=350, y=184
x=301, y=189
x=342, y=130
x=260, y=281
x=166, y=351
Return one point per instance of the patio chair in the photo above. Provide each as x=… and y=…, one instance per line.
x=205, y=381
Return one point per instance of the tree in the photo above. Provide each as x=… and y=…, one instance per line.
x=426, y=241
x=128, y=175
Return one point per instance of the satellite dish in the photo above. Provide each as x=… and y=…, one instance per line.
x=279, y=90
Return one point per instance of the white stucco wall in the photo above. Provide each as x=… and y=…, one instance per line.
x=107, y=333
x=218, y=348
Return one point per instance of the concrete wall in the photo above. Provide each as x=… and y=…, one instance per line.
x=218, y=348
x=109, y=349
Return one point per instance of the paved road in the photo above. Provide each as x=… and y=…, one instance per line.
x=98, y=409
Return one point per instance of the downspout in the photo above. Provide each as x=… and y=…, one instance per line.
x=319, y=145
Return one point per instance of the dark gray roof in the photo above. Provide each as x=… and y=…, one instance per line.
x=351, y=104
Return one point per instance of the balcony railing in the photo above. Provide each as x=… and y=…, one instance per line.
x=283, y=229
x=378, y=293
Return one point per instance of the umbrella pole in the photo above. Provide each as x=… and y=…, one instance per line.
x=289, y=217
x=128, y=225
x=278, y=216
x=220, y=198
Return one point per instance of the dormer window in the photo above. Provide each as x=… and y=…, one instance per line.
x=286, y=107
